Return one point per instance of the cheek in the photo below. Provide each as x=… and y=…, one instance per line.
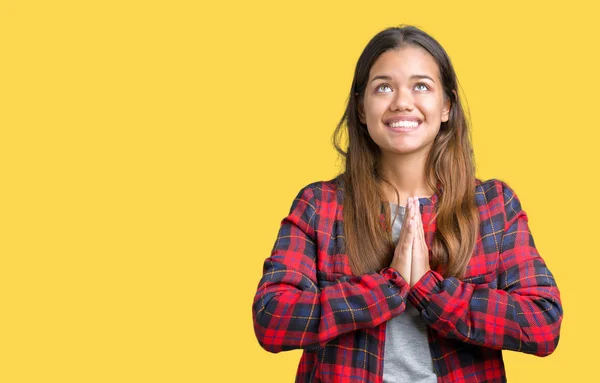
x=432, y=108
x=376, y=133
x=374, y=108
x=372, y=132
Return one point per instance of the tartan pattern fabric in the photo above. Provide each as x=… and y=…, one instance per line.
x=309, y=299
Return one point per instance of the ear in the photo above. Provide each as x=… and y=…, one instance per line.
x=361, y=112
x=446, y=109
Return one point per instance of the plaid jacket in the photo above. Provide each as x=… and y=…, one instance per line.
x=308, y=297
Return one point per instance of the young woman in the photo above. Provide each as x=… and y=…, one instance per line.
x=406, y=267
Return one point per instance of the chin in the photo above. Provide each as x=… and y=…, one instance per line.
x=406, y=150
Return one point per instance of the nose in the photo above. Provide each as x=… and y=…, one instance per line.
x=403, y=100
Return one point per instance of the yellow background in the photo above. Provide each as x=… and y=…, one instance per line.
x=150, y=149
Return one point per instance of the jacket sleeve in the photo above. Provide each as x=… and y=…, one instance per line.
x=523, y=314
x=292, y=309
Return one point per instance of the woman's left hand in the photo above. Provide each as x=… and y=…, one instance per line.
x=420, y=252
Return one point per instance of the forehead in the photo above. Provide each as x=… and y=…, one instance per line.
x=405, y=62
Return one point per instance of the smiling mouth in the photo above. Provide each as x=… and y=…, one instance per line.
x=403, y=124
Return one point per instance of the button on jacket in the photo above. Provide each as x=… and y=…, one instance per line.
x=308, y=297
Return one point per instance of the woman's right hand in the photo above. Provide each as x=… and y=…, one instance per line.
x=403, y=252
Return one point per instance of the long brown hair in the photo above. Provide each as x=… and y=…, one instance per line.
x=449, y=165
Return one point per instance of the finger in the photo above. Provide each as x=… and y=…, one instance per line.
x=414, y=262
x=404, y=217
x=413, y=211
x=410, y=234
x=417, y=211
x=418, y=237
x=404, y=227
x=409, y=215
x=423, y=244
x=420, y=215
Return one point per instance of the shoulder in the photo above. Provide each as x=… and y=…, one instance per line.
x=499, y=197
x=317, y=199
x=322, y=192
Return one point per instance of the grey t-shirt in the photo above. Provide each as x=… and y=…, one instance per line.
x=407, y=358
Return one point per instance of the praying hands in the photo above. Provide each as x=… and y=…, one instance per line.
x=411, y=256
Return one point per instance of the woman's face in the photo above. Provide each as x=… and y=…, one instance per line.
x=404, y=102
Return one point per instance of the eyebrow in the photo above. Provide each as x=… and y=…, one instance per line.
x=414, y=76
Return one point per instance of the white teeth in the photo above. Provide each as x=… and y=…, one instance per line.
x=404, y=124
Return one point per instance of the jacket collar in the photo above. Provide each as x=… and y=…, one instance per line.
x=432, y=200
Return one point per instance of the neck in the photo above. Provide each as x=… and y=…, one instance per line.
x=407, y=174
